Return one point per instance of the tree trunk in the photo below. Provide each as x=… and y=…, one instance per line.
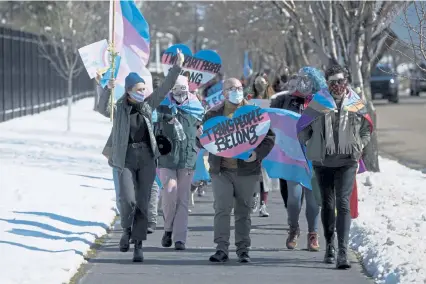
x=371, y=152
x=69, y=103
x=96, y=100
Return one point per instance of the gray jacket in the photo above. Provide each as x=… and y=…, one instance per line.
x=116, y=147
x=313, y=137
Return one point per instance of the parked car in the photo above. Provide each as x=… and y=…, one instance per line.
x=384, y=83
x=418, y=80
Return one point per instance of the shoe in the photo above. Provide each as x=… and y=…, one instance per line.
x=219, y=256
x=313, y=244
x=166, y=241
x=138, y=253
x=194, y=188
x=342, y=261
x=244, y=258
x=151, y=227
x=293, y=235
x=125, y=240
x=255, y=203
x=262, y=210
x=330, y=253
x=200, y=192
x=180, y=246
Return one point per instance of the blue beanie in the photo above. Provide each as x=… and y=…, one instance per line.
x=131, y=80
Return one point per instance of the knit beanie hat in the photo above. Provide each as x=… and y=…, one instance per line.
x=182, y=81
x=131, y=80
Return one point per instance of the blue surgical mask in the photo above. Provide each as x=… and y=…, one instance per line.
x=137, y=96
x=236, y=97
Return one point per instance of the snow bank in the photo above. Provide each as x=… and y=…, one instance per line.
x=390, y=233
x=56, y=193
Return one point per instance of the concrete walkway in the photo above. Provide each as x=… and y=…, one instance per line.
x=271, y=262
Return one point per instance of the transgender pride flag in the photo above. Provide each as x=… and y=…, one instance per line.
x=287, y=159
x=131, y=40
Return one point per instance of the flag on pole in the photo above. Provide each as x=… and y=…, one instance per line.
x=131, y=41
x=247, y=68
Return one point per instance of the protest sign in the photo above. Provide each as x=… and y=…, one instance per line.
x=238, y=136
x=94, y=57
x=199, y=68
x=261, y=103
x=215, y=88
x=213, y=100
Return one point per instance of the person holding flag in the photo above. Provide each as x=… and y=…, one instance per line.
x=178, y=118
x=133, y=150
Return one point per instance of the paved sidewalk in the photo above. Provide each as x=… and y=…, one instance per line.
x=271, y=262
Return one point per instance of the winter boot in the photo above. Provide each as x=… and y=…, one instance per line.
x=125, y=240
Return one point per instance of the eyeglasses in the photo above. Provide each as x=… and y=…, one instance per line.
x=337, y=82
x=180, y=88
x=233, y=89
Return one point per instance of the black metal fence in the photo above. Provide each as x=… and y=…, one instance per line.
x=28, y=82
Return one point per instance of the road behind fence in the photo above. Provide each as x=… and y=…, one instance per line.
x=28, y=82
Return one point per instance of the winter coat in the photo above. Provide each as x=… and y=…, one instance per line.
x=116, y=147
x=184, y=153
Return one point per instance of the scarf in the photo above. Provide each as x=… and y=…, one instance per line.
x=323, y=103
x=191, y=105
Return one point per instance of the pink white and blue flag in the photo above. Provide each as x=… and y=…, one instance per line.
x=132, y=42
x=287, y=159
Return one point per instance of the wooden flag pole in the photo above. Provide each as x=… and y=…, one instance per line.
x=113, y=54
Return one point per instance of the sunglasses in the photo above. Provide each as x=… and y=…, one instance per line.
x=233, y=89
x=337, y=82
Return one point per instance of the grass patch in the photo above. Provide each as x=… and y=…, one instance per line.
x=91, y=253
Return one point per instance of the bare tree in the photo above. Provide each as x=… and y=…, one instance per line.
x=412, y=47
x=351, y=33
x=65, y=27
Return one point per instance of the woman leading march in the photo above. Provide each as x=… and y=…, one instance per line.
x=132, y=149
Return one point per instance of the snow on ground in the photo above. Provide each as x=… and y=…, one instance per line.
x=390, y=233
x=56, y=193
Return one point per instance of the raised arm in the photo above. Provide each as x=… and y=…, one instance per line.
x=160, y=93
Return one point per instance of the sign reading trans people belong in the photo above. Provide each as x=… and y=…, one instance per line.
x=238, y=136
x=199, y=68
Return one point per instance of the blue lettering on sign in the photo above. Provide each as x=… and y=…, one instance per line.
x=215, y=88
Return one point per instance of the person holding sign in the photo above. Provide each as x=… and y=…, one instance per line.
x=132, y=149
x=178, y=117
x=234, y=181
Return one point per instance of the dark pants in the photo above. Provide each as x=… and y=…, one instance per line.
x=135, y=190
x=336, y=186
x=284, y=191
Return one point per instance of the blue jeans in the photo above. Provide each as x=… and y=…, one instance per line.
x=294, y=206
x=117, y=188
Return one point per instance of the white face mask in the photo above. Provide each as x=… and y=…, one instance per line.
x=236, y=97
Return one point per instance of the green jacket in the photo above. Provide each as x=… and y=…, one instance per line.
x=184, y=153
